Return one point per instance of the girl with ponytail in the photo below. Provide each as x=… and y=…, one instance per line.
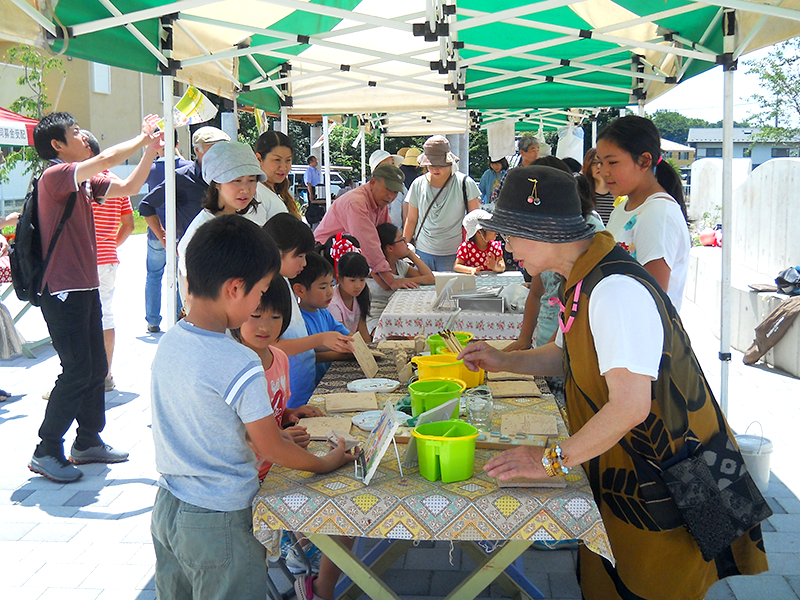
x=651, y=223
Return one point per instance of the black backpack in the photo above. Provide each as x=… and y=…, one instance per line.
x=25, y=253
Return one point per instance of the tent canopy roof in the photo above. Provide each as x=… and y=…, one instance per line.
x=435, y=56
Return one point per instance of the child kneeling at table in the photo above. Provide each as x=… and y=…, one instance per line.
x=314, y=287
x=481, y=251
x=208, y=393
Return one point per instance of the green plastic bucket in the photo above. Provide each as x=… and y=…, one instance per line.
x=446, y=450
x=436, y=343
x=430, y=393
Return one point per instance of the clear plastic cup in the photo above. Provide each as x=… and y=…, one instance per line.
x=479, y=405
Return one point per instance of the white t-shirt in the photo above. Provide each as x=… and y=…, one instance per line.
x=625, y=325
x=440, y=234
x=204, y=216
x=269, y=202
x=655, y=230
x=379, y=297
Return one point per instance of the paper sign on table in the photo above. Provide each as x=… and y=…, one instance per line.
x=318, y=428
x=346, y=402
x=513, y=423
x=514, y=389
x=364, y=356
x=508, y=376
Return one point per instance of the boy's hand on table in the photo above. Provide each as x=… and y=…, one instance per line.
x=293, y=415
x=298, y=435
x=333, y=340
x=339, y=456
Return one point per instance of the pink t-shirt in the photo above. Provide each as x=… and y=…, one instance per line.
x=73, y=265
x=472, y=256
x=345, y=316
x=278, y=388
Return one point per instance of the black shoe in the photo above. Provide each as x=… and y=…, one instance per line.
x=153, y=329
x=55, y=468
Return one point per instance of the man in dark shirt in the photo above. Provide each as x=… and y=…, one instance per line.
x=70, y=300
x=189, y=191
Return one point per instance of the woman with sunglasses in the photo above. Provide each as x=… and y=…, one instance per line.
x=634, y=394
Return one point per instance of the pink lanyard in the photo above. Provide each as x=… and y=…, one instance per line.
x=573, y=313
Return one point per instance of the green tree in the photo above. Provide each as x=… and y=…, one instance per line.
x=33, y=104
x=675, y=126
x=779, y=78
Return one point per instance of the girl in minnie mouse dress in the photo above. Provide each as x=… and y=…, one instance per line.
x=481, y=251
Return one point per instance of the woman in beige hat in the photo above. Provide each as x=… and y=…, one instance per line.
x=437, y=203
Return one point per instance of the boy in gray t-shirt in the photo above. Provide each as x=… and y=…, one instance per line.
x=207, y=393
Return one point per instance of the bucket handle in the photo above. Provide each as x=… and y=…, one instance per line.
x=761, y=438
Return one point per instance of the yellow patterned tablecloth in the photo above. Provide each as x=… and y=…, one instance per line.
x=413, y=508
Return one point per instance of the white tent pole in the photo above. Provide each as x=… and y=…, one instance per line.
x=641, y=107
x=285, y=120
x=383, y=139
x=326, y=149
x=169, y=197
x=363, y=154
x=729, y=66
x=594, y=132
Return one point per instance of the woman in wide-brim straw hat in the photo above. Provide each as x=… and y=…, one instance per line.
x=437, y=203
x=631, y=381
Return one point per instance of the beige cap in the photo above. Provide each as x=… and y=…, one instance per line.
x=209, y=135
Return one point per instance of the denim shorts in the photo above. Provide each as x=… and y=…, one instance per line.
x=203, y=554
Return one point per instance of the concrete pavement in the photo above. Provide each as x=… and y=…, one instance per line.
x=91, y=539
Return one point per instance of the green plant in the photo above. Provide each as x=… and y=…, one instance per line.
x=35, y=67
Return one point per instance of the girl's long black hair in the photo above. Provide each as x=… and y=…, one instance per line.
x=637, y=135
x=353, y=264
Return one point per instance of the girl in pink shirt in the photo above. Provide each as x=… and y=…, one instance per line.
x=351, y=300
x=264, y=327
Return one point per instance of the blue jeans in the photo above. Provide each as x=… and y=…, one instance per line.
x=156, y=263
x=437, y=262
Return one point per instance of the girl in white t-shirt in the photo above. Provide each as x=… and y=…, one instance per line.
x=651, y=224
x=351, y=297
x=274, y=152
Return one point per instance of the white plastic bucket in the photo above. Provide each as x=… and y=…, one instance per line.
x=755, y=450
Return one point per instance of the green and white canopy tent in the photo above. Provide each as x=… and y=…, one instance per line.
x=450, y=62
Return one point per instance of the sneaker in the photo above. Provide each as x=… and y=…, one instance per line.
x=304, y=588
x=153, y=329
x=286, y=545
x=97, y=454
x=110, y=385
x=295, y=562
x=54, y=468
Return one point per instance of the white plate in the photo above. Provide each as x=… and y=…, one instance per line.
x=373, y=385
x=366, y=421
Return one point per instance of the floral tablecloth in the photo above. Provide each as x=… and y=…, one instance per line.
x=412, y=508
x=409, y=313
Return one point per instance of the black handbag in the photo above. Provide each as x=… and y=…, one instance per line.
x=712, y=491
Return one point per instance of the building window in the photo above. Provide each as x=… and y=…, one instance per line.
x=780, y=152
x=683, y=156
x=101, y=78
x=714, y=152
x=747, y=152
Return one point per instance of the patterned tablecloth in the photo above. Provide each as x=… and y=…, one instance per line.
x=409, y=313
x=411, y=507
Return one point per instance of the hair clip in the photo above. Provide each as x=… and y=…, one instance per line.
x=534, y=197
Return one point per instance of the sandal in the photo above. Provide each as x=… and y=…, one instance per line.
x=304, y=588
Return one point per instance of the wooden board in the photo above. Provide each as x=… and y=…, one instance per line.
x=514, y=389
x=396, y=345
x=499, y=344
x=320, y=427
x=350, y=402
x=495, y=443
x=364, y=356
x=553, y=482
x=508, y=376
x=529, y=423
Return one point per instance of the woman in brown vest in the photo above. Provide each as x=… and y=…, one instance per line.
x=635, y=393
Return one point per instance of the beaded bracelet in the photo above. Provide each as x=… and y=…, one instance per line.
x=554, y=461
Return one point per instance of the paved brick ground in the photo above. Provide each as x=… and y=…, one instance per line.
x=91, y=540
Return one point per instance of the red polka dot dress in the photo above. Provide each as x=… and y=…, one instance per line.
x=472, y=256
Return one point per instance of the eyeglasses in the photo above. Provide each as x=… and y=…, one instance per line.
x=402, y=239
x=596, y=163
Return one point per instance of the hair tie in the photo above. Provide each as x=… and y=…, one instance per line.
x=339, y=248
x=658, y=162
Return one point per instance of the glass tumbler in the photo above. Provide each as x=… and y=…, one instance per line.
x=479, y=404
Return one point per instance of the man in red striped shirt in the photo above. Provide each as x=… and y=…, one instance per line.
x=113, y=223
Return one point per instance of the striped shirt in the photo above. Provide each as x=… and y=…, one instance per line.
x=107, y=218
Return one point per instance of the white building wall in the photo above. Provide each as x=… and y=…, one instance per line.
x=706, y=189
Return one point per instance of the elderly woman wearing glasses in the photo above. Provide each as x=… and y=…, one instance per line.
x=634, y=394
